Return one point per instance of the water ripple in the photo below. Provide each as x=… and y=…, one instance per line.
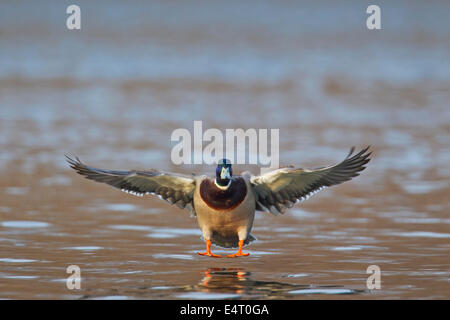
x=422, y=234
x=11, y=260
x=25, y=224
x=323, y=291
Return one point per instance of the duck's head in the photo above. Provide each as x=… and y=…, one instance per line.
x=223, y=173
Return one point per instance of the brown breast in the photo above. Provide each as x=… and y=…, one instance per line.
x=223, y=199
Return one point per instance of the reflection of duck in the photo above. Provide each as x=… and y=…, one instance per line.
x=228, y=279
x=225, y=206
x=237, y=281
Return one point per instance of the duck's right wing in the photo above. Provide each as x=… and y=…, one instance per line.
x=174, y=188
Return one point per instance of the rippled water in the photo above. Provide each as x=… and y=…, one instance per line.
x=113, y=93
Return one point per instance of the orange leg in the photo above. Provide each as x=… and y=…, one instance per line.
x=239, y=253
x=208, y=251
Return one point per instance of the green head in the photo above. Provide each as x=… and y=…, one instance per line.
x=224, y=172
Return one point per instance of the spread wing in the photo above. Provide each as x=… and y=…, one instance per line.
x=280, y=189
x=174, y=188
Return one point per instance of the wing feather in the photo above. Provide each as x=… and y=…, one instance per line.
x=280, y=189
x=174, y=188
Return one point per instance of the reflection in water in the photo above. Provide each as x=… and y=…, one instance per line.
x=220, y=283
x=232, y=283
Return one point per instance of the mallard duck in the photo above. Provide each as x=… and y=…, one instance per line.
x=225, y=205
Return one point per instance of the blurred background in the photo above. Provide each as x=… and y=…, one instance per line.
x=113, y=92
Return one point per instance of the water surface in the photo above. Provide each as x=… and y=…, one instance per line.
x=113, y=93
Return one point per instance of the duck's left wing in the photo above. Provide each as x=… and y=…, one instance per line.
x=174, y=188
x=280, y=189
